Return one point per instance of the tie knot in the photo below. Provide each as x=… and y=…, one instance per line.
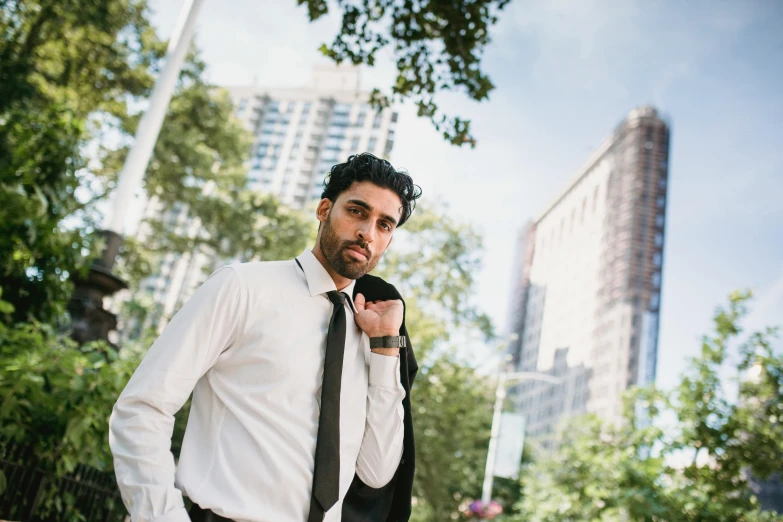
x=336, y=297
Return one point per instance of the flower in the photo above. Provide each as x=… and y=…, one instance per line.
x=478, y=510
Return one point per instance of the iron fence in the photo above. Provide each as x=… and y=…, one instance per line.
x=34, y=494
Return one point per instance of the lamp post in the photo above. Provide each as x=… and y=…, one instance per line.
x=504, y=379
x=89, y=320
x=152, y=120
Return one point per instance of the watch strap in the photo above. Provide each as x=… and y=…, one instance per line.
x=388, y=341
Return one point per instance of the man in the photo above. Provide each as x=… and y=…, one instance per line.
x=300, y=406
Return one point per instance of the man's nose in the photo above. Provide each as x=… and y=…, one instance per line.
x=366, y=233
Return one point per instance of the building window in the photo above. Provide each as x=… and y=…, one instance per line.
x=376, y=123
x=371, y=145
x=354, y=145
x=336, y=132
x=333, y=143
x=595, y=199
x=242, y=106
x=661, y=201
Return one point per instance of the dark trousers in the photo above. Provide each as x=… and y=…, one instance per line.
x=197, y=514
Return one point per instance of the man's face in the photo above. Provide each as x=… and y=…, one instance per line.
x=357, y=227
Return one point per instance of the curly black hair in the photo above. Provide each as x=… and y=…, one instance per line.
x=366, y=167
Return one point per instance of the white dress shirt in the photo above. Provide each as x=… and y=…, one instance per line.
x=250, y=346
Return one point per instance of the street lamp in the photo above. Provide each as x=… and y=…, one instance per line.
x=89, y=319
x=149, y=126
x=504, y=379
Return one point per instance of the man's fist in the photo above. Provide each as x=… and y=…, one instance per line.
x=378, y=318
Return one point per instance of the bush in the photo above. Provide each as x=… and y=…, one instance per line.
x=56, y=396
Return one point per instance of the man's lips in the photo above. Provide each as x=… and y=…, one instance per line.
x=357, y=253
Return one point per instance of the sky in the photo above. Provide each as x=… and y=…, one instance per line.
x=566, y=72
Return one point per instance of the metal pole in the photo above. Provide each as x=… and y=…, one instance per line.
x=489, y=470
x=151, y=122
x=500, y=396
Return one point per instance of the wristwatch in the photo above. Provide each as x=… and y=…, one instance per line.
x=388, y=341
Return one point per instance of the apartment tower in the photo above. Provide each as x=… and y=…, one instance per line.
x=587, y=284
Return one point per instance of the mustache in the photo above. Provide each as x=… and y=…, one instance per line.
x=361, y=244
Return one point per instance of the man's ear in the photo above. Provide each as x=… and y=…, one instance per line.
x=322, y=211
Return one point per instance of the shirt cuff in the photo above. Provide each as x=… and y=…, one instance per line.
x=384, y=371
x=175, y=515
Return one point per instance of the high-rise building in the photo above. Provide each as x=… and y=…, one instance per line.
x=587, y=287
x=299, y=134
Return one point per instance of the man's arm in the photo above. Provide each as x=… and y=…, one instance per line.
x=142, y=421
x=381, y=450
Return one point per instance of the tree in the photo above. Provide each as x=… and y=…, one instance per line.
x=696, y=469
x=437, y=46
x=55, y=399
x=59, y=61
x=433, y=262
x=72, y=74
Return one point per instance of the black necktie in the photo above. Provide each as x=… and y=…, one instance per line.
x=326, y=475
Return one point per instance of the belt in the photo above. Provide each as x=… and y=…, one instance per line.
x=199, y=514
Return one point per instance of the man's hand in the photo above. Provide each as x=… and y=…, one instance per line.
x=379, y=319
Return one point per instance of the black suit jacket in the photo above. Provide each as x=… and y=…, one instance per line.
x=391, y=503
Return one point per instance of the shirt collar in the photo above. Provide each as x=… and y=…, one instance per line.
x=318, y=279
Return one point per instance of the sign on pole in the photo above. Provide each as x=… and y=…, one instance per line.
x=511, y=440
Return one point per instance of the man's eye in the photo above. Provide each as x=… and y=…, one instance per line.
x=355, y=211
x=386, y=226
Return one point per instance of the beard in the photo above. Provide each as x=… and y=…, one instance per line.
x=334, y=249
